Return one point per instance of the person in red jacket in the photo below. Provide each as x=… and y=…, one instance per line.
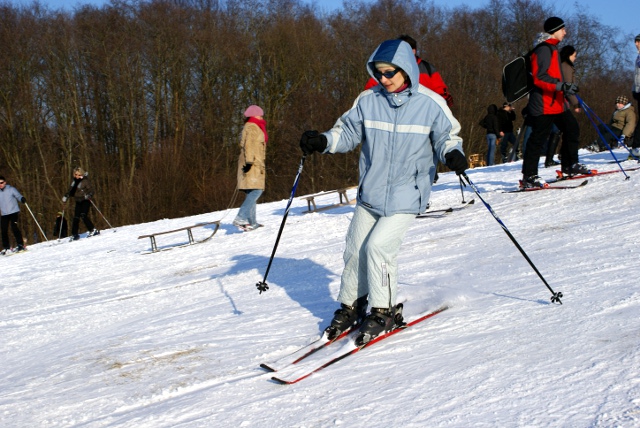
x=429, y=76
x=547, y=107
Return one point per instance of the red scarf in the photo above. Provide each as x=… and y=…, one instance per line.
x=401, y=88
x=262, y=124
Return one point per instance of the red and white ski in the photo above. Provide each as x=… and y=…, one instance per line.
x=296, y=372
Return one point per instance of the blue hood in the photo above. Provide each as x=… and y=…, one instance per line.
x=400, y=54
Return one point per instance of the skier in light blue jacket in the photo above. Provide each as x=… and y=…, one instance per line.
x=9, y=198
x=401, y=125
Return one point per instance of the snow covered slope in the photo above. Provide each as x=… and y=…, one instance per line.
x=96, y=334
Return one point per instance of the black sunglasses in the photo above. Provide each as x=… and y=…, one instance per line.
x=388, y=74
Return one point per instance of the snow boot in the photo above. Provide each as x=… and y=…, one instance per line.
x=552, y=146
x=94, y=232
x=347, y=316
x=379, y=321
x=250, y=227
x=240, y=223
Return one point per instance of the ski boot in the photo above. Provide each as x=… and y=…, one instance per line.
x=576, y=169
x=532, y=181
x=379, y=321
x=346, y=317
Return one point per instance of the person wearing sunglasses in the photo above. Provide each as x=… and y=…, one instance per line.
x=9, y=198
x=82, y=191
x=429, y=76
x=402, y=128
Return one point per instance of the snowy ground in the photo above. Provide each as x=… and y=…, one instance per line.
x=96, y=333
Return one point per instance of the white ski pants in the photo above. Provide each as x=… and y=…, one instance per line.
x=370, y=257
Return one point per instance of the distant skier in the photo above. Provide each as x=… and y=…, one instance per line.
x=82, y=191
x=9, y=198
x=401, y=126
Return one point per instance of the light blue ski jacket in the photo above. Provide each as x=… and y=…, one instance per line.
x=399, y=133
x=9, y=198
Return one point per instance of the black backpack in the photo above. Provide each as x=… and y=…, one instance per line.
x=517, y=80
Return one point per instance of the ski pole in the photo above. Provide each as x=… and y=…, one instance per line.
x=555, y=297
x=105, y=219
x=36, y=221
x=462, y=190
x=589, y=114
x=262, y=285
x=61, y=221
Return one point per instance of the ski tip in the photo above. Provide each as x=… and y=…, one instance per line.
x=267, y=368
x=281, y=381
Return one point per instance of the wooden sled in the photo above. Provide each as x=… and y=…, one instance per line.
x=342, y=195
x=154, y=245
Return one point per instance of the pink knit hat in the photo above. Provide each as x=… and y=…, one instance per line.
x=253, y=110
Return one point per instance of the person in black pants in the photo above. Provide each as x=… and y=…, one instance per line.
x=82, y=191
x=9, y=198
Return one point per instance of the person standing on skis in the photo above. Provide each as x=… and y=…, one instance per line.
x=401, y=126
x=82, y=191
x=10, y=211
x=547, y=107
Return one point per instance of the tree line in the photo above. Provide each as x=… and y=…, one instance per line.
x=147, y=96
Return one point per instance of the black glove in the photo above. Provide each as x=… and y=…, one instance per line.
x=246, y=167
x=456, y=161
x=312, y=141
x=569, y=88
x=24, y=201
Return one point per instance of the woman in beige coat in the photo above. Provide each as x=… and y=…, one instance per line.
x=251, y=166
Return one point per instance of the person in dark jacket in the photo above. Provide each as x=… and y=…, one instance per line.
x=82, y=191
x=60, y=226
x=492, y=125
x=526, y=129
x=547, y=107
x=506, y=116
x=9, y=198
